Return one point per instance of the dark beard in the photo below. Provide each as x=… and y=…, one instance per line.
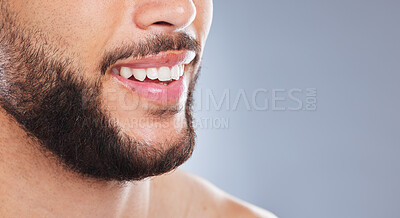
x=63, y=112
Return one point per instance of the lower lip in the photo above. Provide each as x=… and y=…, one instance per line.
x=153, y=91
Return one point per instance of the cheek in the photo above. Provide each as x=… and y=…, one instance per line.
x=203, y=19
x=92, y=27
x=81, y=28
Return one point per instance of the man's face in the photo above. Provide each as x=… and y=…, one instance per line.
x=104, y=85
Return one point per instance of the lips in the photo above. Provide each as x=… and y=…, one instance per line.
x=157, y=78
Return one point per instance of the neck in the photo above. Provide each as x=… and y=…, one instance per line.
x=33, y=184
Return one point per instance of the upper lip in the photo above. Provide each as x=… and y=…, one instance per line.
x=162, y=59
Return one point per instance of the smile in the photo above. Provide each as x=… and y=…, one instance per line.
x=158, y=78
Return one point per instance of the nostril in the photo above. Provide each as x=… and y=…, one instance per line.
x=162, y=23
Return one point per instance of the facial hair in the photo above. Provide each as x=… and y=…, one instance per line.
x=42, y=90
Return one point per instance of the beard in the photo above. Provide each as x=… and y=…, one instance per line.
x=43, y=91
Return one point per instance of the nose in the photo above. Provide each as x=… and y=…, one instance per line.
x=164, y=15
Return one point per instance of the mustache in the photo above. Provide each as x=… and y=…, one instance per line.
x=151, y=45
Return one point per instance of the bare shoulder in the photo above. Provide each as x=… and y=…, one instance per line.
x=203, y=199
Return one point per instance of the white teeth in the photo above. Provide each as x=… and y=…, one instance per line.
x=164, y=74
x=139, y=74
x=181, y=70
x=126, y=72
x=175, y=72
x=152, y=73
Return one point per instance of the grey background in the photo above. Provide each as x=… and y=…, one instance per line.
x=340, y=160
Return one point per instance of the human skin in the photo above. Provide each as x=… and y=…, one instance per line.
x=33, y=184
x=86, y=29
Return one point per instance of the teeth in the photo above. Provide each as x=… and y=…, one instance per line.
x=181, y=70
x=115, y=71
x=126, y=72
x=163, y=74
x=139, y=74
x=175, y=72
x=152, y=73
